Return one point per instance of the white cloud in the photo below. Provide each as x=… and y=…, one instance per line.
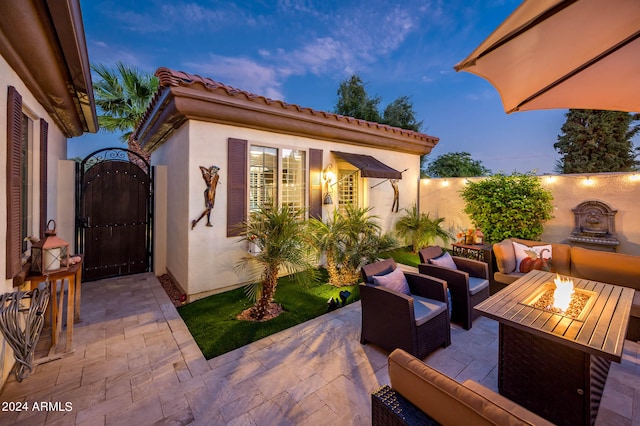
x=101, y=52
x=242, y=73
x=179, y=15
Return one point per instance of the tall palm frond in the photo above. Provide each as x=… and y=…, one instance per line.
x=122, y=96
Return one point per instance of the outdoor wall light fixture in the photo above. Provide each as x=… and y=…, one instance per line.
x=588, y=181
x=445, y=182
x=51, y=253
x=328, y=177
x=550, y=179
x=634, y=177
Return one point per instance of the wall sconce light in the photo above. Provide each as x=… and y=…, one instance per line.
x=588, y=181
x=328, y=177
x=634, y=177
x=550, y=179
x=445, y=182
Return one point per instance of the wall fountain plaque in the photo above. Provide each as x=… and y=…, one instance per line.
x=594, y=226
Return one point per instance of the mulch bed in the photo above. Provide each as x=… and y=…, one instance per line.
x=174, y=293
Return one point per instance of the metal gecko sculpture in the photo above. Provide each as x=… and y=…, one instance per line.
x=210, y=176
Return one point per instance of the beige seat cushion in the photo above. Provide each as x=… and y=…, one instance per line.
x=444, y=399
x=606, y=267
x=505, y=256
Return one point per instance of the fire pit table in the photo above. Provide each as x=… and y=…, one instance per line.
x=553, y=361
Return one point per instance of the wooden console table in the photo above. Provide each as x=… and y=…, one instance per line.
x=56, y=281
x=552, y=364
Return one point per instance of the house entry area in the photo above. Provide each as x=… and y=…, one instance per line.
x=113, y=213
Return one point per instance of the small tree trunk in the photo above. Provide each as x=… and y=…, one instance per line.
x=332, y=269
x=269, y=284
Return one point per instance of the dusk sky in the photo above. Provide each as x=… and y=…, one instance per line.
x=299, y=51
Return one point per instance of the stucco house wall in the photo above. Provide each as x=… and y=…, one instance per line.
x=441, y=198
x=39, y=45
x=189, y=125
x=204, y=260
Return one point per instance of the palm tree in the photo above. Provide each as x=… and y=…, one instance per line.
x=123, y=95
x=419, y=229
x=348, y=240
x=278, y=234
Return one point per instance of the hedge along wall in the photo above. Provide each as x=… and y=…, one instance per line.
x=621, y=191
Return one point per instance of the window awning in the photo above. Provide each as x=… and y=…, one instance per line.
x=369, y=166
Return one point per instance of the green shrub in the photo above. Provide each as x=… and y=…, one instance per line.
x=419, y=230
x=508, y=206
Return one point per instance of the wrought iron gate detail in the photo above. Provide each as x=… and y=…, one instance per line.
x=114, y=211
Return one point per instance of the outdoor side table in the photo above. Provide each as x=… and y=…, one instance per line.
x=481, y=252
x=55, y=309
x=552, y=364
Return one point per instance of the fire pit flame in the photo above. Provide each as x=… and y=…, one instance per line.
x=563, y=293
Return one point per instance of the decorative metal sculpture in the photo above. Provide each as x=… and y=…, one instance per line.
x=210, y=176
x=396, y=195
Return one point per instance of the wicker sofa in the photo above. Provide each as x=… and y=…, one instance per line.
x=421, y=395
x=613, y=268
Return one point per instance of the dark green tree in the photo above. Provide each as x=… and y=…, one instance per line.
x=456, y=164
x=400, y=113
x=353, y=101
x=594, y=141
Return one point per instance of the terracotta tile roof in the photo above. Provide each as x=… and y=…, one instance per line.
x=175, y=79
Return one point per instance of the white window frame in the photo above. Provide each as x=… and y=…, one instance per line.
x=279, y=175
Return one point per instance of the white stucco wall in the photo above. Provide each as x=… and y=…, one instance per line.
x=174, y=154
x=57, y=150
x=441, y=198
x=204, y=260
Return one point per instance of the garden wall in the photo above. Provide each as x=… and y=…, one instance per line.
x=441, y=198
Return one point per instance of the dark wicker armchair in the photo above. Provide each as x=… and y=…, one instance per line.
x=417, y=323
x=468, y=285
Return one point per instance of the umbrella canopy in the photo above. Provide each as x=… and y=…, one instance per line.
x=582, y=54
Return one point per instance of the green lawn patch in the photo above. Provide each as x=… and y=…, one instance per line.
x=213, y=324
x=402, y=255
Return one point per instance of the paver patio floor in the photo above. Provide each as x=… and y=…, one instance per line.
x=135, y=363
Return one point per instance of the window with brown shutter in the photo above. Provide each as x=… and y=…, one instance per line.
x=14, y=182
x=236, y=185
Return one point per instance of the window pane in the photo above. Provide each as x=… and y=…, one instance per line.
x=347, y=187
x=263, y=172
x=293, y=178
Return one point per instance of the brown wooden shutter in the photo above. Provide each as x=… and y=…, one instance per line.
x=44, y=136
x=315, y=180
x=236, y=185
x=14, y=190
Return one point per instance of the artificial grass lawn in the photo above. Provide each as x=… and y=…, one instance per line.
x=213, y=324
x=402, y=255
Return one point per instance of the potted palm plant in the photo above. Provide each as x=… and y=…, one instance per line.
x=419, y=230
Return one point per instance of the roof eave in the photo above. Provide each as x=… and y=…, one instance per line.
x=176, y=105
x=43, y=41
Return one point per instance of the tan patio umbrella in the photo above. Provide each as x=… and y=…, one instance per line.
x=582, y=54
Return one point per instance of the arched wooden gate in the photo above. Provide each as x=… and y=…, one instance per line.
x=114, y=201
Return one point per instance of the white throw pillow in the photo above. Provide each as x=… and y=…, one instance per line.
x=444, y=260
x=521, y=252
x=394, y=280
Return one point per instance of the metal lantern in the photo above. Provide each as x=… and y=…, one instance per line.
x=50, y=254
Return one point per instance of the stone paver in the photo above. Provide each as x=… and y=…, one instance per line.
x=136, y=363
